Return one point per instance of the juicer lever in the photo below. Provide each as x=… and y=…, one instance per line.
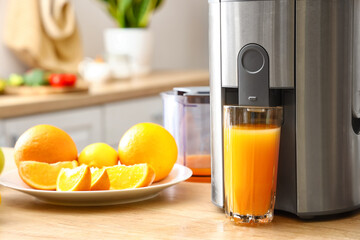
x=253, y=77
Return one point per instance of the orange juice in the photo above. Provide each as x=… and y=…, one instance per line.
x=250, y=168
x=199, y=164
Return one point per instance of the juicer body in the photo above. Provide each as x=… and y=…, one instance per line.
x=312, y=50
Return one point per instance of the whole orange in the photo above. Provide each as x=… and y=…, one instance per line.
x=98, y=155
x=45, y=143
x=149, y=143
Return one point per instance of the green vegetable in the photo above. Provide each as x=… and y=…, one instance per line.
x=132, y=13
x=15, y=80
x=35, y=77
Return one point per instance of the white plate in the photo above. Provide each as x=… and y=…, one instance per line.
x=178, y=174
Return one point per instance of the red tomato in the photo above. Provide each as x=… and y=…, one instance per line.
x=62, y=80
x=70, y=79
x=57, y=80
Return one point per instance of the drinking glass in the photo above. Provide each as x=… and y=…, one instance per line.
x=251, y=151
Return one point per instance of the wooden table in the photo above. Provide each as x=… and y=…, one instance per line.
x=183, y=211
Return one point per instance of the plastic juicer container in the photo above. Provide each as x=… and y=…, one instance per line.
x=187, y=118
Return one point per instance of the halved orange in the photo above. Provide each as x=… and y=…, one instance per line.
x=77, y=179
x=134, y=176
x=42, y=175
x=99, y=179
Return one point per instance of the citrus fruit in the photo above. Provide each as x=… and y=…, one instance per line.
x=2, y=160
x=41, y=175
x=99, y=179
x=76, y=179
x=149, y=143
x=135, y=176
x=45, y=143
x=98, y=155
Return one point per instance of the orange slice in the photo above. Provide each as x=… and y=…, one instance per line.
x=77, y=179
x=99, y=179
x=42, y=175
x=134, y=176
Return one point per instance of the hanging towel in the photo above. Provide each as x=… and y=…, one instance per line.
x=44, y=34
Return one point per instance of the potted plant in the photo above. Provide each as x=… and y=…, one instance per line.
x=129, y=47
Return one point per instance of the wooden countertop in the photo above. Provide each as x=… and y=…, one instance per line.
x=183, y=211
x=13, y=106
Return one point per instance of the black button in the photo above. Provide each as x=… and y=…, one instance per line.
x=253, y=61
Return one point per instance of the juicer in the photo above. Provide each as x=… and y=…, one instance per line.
x=303, y=55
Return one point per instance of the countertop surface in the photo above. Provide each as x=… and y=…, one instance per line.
x=183, y=211
x=156, y=82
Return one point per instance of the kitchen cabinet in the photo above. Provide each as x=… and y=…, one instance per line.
x=83, y=125
x=99, y=123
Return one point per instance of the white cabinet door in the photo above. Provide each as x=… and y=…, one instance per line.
x=120, y=116
x=84, y=125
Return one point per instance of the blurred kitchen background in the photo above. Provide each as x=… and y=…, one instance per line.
x=180, y=28
x=104, y=112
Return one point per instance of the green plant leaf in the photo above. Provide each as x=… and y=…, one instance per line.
x=122, y=7
x=112, y=11
x=145, y=12
x=132, y=13
x=131, y=18
x=111, y=7
x=158, y=3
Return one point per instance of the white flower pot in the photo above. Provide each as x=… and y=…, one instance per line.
x=129, y=51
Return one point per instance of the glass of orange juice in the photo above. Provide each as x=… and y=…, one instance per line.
x=251, y=151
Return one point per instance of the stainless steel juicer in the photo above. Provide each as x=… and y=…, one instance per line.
x=305, y=56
